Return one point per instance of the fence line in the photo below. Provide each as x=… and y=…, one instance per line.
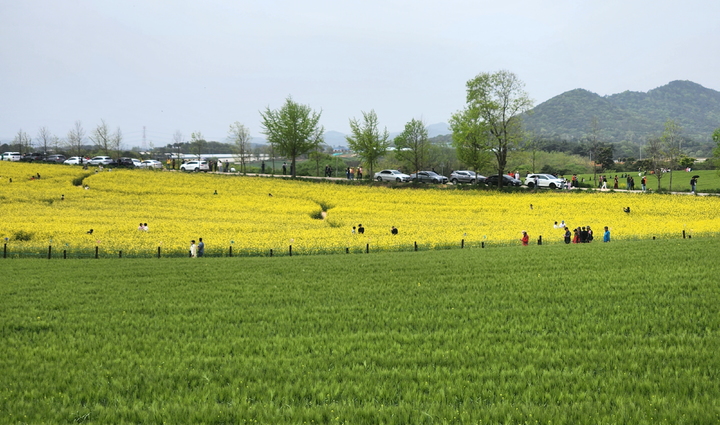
x=54, y=253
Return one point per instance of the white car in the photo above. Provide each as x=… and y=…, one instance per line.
x=11, y=156
x=74, y=160
x=195, y=166
x=391, y=176
x=98, y=160
x=151, y=163
x=544, y=180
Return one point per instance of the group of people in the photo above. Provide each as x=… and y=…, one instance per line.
x=197, y=250
x=354, y=172
x=583, y=234
x=361, y=230
x=143, y=227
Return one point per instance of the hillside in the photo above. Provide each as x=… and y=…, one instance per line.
x=632, y=116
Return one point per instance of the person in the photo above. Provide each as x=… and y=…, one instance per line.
x=201, y=248
x=262, y=168
x=643, y=182
x=615, y=185
x=284, y=168
x=90, y=232
x=193, y=249
x=525, y=238
x=604, y=182
x=145, y=227
x=589, y=234
x=606, y=235
x=353, y=230
x=215, y=193
x=394, y=230
x=568, y=235
x=693, y=184
x=359, y=173
x=627, y=210
x=361, y=229
x=576, y=235
x=140, y=227
x=62, y=197
x=557, y=226
x=535, y=181
x=517, y=175
x=583, y=235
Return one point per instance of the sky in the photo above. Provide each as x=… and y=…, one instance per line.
x=199, y=66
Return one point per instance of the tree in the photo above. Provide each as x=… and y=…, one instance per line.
x=292, y=130
x=470, y=138
x=116, y=141
x=367, y=141
x=75, y=139
x=499, y=100
x=23, y=142
x=656, y=157
x=239, y=136
x=671, y=145
x=198, y=143
x=594, y=144
x=44, y=139
x=102, y=138
x=412, y=147
x=716, y=151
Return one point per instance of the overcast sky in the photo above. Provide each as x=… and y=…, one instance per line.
x=202, y=65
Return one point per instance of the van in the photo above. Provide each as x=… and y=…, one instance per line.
x=11, y=156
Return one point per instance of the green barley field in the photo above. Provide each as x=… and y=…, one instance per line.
x=620, y=333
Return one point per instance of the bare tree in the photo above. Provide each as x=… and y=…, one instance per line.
x=101, y=137
x=44, y=139
x=116, y=141
x=239, y=136
x=75, y=139
x=671, y=145
x=23, y=142
x=656, y=156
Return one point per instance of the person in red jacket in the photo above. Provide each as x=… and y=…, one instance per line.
x=525, y=239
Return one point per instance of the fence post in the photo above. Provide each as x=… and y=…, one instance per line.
x=367, y=248
x=347, y=250
x=415, y=245
x=482, y=244
x=540, y=240
x=271, y=252
x=5, y=251
x=290, y=250
x=49, y=252
x=462, y=243
x=64, y=254
x=683, y=234
x=158, y=252
x=231, y=250
x=120, y=254
x=97, y=250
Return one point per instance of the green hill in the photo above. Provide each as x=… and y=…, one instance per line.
x=630, y=116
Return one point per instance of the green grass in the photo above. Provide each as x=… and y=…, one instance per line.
x=709, y=180
x=625, y=332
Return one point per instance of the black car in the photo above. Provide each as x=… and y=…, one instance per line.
x=507, y=180
x=125, y=162
x=32, y=157
x=58, y=159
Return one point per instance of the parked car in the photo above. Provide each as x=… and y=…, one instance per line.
x=391, y=176
x=466, y=176
x=101, y=160
x=56, y=158
x=428, y=177
x=129, y=162
x=544, y=180
x=74, y=160
x=151, y=163
x=195, y=166
x=11, y=156
x=32, y=157
x=507, y=180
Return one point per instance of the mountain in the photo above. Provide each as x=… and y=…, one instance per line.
x=628, y=115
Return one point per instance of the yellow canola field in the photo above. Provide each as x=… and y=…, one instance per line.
x=257, y=214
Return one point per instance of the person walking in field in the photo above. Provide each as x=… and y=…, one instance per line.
x=568, y=235
x=643, y=182
x=693, y=184
x=193, y=249
x=525, y=238
x=201, y=248
x=606, y=235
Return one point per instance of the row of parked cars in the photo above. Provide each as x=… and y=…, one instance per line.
x=79, y=160
x=466, y=176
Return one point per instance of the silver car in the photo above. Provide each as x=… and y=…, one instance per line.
x=391, y=176
x=465, y=176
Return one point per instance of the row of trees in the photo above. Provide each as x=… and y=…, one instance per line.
x=103, y=139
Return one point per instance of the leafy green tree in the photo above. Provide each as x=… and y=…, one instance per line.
x=499, y=100
x=656, y=157
x=470, y=138
x=292, y=130
x=716, y=151
x=412, y=147
x=367, y=141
